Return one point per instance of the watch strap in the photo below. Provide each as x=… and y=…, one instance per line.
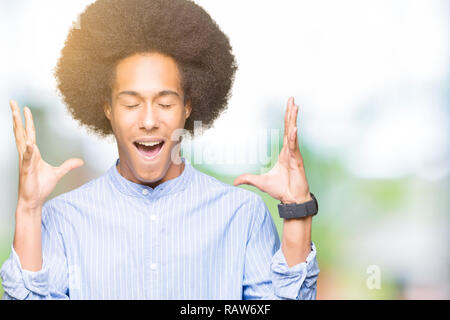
x=295, y=210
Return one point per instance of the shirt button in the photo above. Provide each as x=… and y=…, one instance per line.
x=145, y=192
x=153, y=266
x=153, y=217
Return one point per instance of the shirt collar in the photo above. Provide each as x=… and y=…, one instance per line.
x=168, y=187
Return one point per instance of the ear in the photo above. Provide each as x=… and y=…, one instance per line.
x=107, y=110
x=188, y=109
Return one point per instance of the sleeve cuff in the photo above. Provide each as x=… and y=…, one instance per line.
x=18, y=283
x=289, y=282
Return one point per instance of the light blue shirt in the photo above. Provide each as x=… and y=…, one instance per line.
x=192, y=237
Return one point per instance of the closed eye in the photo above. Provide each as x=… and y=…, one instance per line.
x=162, y=105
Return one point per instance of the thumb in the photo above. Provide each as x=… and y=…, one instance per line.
x=68, y=165
x=247, y=178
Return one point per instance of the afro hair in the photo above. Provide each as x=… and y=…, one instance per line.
x=111, y=30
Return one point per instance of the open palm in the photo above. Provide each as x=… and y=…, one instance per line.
x=286, y=181
x=37, y=178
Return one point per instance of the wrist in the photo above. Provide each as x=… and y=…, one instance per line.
x=27, y=208
x=298, y=208
x=298, y=199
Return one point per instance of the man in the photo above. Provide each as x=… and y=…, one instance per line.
x=153, y=227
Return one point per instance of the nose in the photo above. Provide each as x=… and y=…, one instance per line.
x=148, y=117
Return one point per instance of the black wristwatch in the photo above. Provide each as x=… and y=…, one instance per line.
x=295, y=210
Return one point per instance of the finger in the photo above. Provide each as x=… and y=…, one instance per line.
x=293, y=117
x=19, y=132
x=67, y=166
x=292, y=120
x=286, y=116
x=250, y=179
x=285, y=147
x=293, y=145
x=295, y=156
x=294, y=148
x=29, y=125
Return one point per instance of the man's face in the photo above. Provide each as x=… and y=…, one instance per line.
x=147, y=107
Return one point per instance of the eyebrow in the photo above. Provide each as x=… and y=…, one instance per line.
x=159, y=94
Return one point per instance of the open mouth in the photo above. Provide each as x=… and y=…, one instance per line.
x=150, y=150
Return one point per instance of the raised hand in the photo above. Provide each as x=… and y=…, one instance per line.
x=37, y=178
x=286, y=181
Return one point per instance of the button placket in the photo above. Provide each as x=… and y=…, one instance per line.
x=153, y=263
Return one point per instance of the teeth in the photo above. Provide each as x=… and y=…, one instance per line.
x=149, y=144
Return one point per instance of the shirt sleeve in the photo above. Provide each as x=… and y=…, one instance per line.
x=51, y=282
x=266, y=273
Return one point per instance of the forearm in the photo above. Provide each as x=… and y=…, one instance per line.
x=28, y=236
x=293, y=268
x=296, y=241
x=25, y=274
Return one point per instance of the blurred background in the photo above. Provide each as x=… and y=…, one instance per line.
x=372, y=82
